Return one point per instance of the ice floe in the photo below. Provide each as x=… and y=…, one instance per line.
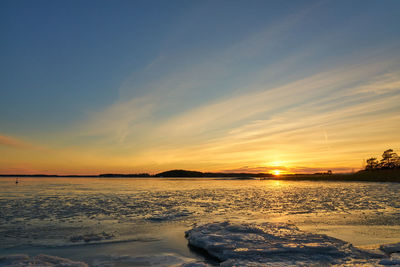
x=390, y=248
x=91, y=237
x=38, y=261
x=160, y=260
x=276, y=244
x=168, y=215
x=164, y=259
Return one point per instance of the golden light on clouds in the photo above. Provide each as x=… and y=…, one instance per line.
x=244, y=107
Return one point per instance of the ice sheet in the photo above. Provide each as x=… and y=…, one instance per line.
x=276, y=244
x=38, y=261
x=56, y=213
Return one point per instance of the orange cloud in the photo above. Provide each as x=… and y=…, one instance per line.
x=261, y=169
x=15, y=143
x=294, y=169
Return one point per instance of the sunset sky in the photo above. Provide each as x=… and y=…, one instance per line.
x=92, y=87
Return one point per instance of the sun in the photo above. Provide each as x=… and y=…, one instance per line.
x=276, y=172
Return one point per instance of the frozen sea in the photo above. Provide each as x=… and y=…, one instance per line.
x=143, y=222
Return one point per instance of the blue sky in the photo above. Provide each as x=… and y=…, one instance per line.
x=138, y=85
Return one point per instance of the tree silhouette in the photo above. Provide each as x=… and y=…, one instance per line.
x=372, y=164
x=390, y=160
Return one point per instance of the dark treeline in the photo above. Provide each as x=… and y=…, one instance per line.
x=125, y=175
x=390, y=160
x=386, y=169
x=46, y=175
x=189, y=174
x=172, y=173
x=184, y=173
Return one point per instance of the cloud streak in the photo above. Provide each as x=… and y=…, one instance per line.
x=242, y=105
x=355, y=105
x=12, y=142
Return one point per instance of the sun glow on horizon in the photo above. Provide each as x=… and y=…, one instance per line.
x=277, y=172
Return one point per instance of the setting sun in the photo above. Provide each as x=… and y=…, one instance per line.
x=276, y=172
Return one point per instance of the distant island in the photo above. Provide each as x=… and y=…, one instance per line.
x=166, y=174
x=184, y=173
x=385, y=170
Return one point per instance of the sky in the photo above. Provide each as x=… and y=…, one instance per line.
x=90, y=87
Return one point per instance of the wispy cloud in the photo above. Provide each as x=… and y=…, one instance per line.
x=318, y=92
x=168, y=86
x=221, y=112
x=8, y=141
x=291, y=122
x=121, y=118
x=302, y=87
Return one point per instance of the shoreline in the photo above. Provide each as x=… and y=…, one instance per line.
x=361, y=176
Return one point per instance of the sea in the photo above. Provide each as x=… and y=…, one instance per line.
x=198, y=222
